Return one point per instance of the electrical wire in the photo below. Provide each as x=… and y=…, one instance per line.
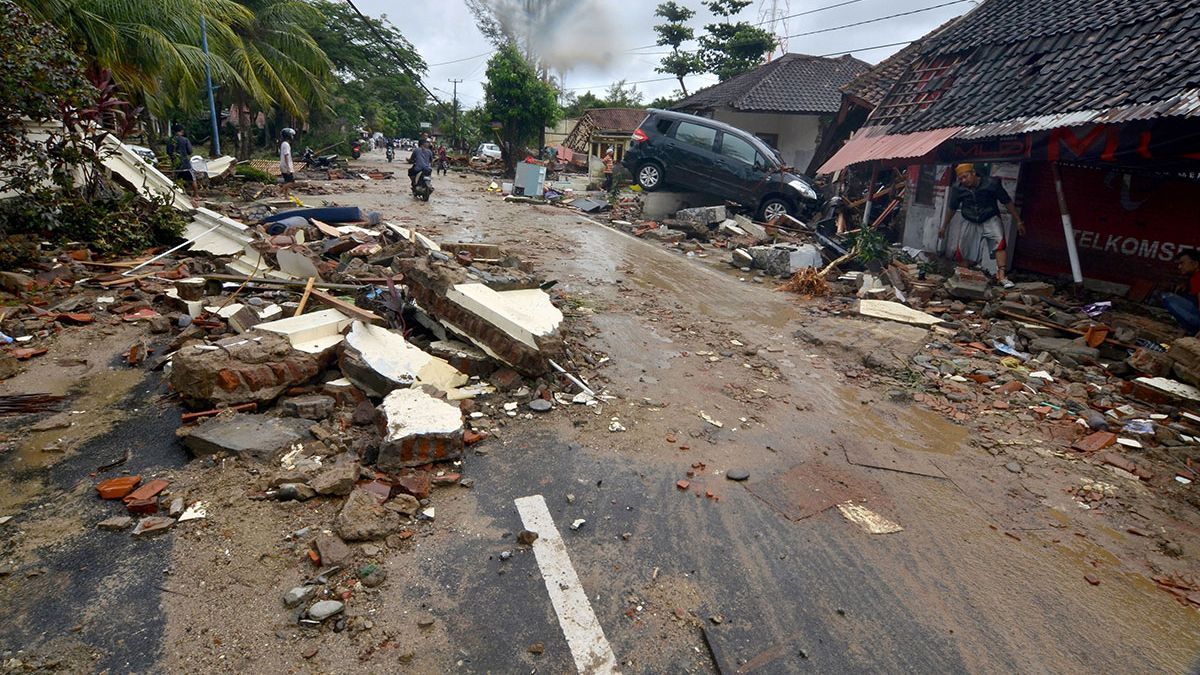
x=882, y=18
x=468, y=58
x=782, y=18
x=395, y=54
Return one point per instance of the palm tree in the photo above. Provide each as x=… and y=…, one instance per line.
x=152, y=49
x=276, y=62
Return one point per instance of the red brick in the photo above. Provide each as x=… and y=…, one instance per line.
x=1011, y=387
x=415, y=484
x=143, y=506
x=148, y=490
x=682, y=484
x=471, y=437
x=448, y=479
x=117, y=488
x=227, y=380
x=378, y=489
x=1095, y=442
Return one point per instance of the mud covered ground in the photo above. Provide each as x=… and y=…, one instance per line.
x=987, y=575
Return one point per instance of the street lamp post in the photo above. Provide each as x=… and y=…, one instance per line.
x=212, y=108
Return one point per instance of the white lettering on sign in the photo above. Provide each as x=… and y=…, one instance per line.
x=1150, y=249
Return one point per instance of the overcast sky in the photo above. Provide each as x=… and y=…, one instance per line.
x=603, y=41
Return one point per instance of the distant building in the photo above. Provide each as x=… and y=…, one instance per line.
x=602, y=128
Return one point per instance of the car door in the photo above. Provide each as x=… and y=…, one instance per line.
x=738, y=169
x=692, y=155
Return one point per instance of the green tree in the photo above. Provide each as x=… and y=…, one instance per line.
x=515, y=98
x=374, y=84
x=151, y=48
x=621, y=96
x=278, y=62
x=673, y=33
x=581, y=104
x=730, y=49
x=41, y=75
x=665, y=102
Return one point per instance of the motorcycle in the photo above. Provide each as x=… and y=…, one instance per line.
x=424, y=186
x=314, y=161
x=391, y=154
x=356, y=149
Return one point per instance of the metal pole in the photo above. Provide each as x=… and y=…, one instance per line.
x=215, y=146
x=1068, y=229
x=454, y=110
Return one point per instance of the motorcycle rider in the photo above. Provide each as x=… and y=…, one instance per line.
x=443, y=162
x=391, y=149
x=422, y=163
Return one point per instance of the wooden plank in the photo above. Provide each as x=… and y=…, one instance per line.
x=308, y=288
x=346, y=307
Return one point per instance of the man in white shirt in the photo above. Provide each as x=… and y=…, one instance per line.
x=286, y=168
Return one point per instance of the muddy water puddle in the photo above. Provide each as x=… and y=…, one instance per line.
x=91, y=409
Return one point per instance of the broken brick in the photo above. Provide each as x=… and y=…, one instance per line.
x=1095, y=442
x=117, y=488
x=471, y=437
x=447, y=479
x=415, y=484
x=142, y=506
x=147, y=491
x=682, y=484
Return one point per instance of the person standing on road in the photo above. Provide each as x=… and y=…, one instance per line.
x=979, y=201
x=443, y=162
x=180, y=153
x=422, y=163
x=608, y=170
x=1185, y=304
x=286, y=168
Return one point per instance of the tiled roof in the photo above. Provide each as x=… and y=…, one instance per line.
x=792, y=83
x=873, y=85
x=1012, y=59
x=622, y=120
x=616, y=119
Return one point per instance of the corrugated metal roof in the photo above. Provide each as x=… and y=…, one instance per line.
x=874, y=143
x=1186, y=104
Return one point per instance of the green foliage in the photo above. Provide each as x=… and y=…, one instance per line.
x=730, y=49
x=583, y=103
x=674, y=33
x=252, y=174
x=41, y=77
x=110, y=225
x=621, y=96
x=518, y=100
x=870, y=245
x=665, y=102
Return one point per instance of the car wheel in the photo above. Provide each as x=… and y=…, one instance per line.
x=774, y=208
x=650, y=177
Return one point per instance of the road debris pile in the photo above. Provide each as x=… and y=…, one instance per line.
x=335, y=356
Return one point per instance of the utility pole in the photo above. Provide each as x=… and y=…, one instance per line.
x=215, y=146
x=454, y=110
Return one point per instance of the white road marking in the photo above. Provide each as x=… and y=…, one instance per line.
x=589, y=647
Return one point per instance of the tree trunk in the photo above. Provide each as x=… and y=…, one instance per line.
x=682, y=86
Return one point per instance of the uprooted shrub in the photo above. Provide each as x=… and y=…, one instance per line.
x=117, y=223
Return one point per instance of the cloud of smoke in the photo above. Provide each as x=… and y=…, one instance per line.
x=561, y=34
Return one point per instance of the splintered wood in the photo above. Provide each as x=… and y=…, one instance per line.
x=807, y=281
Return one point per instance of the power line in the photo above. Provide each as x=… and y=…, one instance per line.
x=469, y=58
x=882, y=18
x=396, y=55
x=842, y=27
x=782, y=18
x=867, y=49
x=600, y=86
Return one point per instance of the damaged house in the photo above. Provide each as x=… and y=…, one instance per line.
x=788, y=102
x=1088, y=112
x=600, y=129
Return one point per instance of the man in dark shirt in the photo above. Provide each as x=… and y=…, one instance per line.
x=422, y=162
x=180, y=153
x=979, y=202
x=1185, y=306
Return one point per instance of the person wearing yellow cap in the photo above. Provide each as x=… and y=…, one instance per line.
x=979, y=202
